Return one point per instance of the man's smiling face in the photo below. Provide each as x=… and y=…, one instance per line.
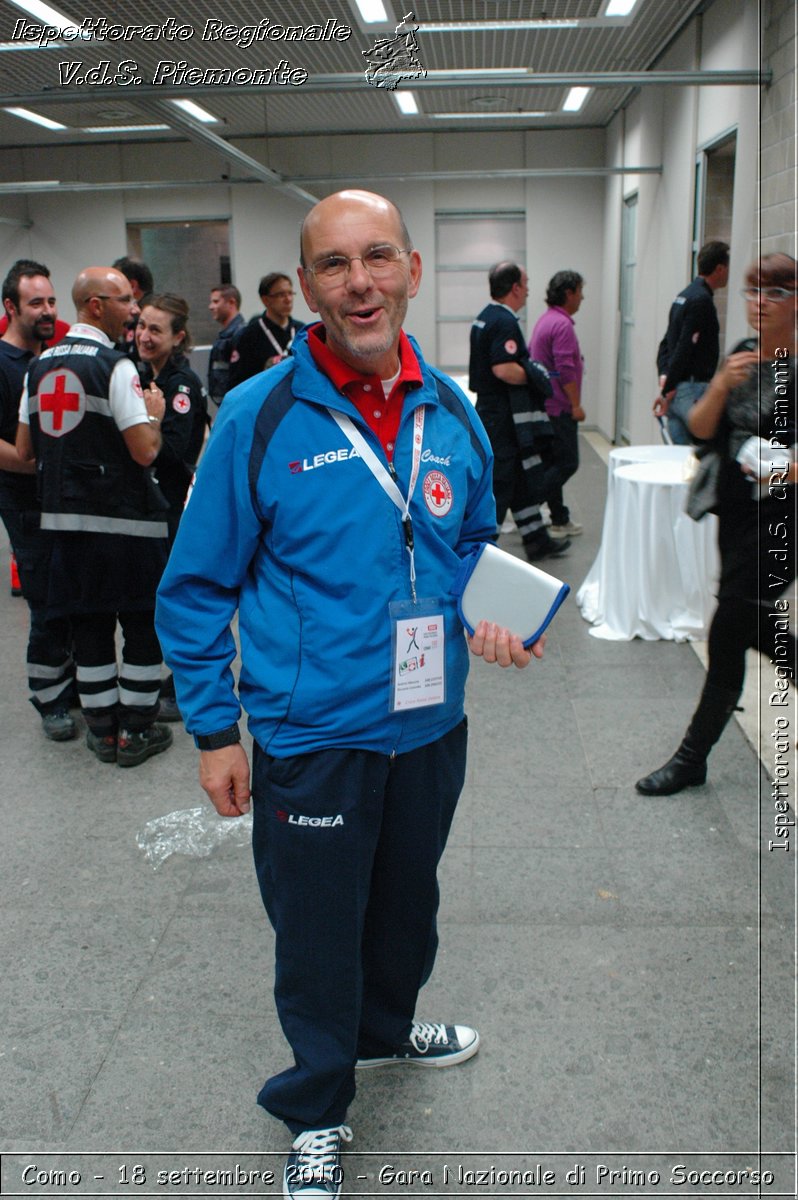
x=363, y=316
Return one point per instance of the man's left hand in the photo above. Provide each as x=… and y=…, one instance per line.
x=497, y=645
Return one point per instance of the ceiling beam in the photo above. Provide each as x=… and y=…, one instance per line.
x=483, y=173
x=354, y=81
x=206, y=138
x=37, y=186
x=56, y=185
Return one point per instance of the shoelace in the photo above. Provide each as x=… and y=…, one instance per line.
x=317, y=1152
x=425, y=1034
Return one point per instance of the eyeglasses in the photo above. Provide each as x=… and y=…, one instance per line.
x=280, y=295
x=379, y=260
x=775, y=294
x=122, y=299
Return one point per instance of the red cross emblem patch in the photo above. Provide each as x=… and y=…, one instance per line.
x=181, y=403
x=437, y=493
x=62, y=402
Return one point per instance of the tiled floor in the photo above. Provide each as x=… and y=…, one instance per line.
x=629, y=962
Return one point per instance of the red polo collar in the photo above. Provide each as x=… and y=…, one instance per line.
x=381, y=414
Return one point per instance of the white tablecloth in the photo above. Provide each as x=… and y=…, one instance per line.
x=656, y=571
x=623, y=456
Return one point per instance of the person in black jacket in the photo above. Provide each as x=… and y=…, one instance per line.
x=511, y=390
x=224, y=306
x=95, y=434
x=267, y=339
x=30, y=306
x=162, y=339
x=139, y=276
x=688, y=353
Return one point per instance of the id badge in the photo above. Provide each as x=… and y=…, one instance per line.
x=418, y=670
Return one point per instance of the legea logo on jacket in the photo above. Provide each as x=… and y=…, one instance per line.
x=322, y=460
x=315, y=822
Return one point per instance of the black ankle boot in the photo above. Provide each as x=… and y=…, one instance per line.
x=682, y=771
x=688, y=766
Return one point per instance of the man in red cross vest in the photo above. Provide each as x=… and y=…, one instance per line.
x=95, y=434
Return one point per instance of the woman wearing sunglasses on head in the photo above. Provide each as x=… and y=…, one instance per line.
x=747, y=415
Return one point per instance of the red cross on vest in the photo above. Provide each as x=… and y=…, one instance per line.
x=438, y=494
x=58, y=402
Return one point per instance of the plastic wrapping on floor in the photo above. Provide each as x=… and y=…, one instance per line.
x=193, y=832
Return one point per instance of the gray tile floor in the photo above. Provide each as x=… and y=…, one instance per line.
x=628, y=962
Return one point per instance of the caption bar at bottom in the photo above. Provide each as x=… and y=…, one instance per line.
x=404, y=1174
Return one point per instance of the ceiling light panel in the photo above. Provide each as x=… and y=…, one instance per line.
x=35, y=118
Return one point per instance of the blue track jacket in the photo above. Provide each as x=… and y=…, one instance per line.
x=287, y=525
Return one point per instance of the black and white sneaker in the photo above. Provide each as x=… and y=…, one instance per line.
x=313, y=1170
x=431, y=1045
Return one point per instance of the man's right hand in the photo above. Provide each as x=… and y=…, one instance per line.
x=224, y=775
x=662, y=404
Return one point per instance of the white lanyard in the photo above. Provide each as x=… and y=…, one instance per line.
x=273, y=339
x=388, y=482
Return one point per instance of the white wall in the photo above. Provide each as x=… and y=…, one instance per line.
x=571, y=222
x=668, y=125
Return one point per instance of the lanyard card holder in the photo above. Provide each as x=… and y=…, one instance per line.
x=492, y=585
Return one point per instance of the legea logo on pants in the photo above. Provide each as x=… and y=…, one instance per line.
x=315, y=822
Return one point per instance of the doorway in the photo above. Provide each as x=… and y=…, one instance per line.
x=714, y=202
x=623, y=387
x=186, y=257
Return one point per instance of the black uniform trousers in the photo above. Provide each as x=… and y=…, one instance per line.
x=346, y=846
x=50, y=668
x=113, y=699
x=511, y=482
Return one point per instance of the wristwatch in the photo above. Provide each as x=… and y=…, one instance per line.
x=217, y=741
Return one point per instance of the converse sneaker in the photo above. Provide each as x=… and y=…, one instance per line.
x=58, y=726
x=103, y=746
x=134, y=746
x=313, y=1170
x=431, y=1046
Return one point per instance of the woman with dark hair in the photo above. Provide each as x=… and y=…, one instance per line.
x=162, y=340
x=751, y=397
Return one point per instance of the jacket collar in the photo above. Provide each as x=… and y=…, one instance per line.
x=310, y=382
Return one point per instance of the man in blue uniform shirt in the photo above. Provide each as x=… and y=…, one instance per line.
x=511, y=390
x=341, y=490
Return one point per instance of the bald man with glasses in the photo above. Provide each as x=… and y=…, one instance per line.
x=95, y=435
x=337, y=498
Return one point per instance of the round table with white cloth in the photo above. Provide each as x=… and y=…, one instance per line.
x=656, y=571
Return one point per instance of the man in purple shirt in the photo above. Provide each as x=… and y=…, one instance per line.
x=555, y=345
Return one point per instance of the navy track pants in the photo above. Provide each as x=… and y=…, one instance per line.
x=346, y=845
